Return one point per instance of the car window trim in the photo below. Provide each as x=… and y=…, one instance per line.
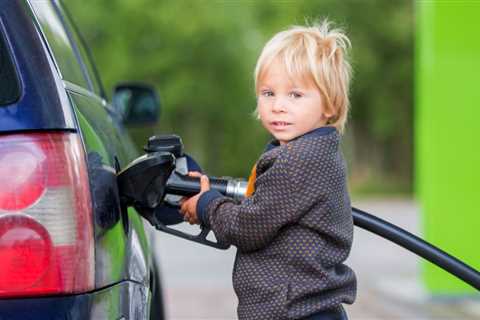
x=75, y=49
x=44, y=38
x=88, y=52
x=82, y=91
x=69, y=86
x=50, y=50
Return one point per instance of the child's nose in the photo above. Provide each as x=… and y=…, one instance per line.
x=279, y=105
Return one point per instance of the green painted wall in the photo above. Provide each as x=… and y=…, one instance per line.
x=448, y=134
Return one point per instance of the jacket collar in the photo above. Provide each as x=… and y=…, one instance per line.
x=322, y=131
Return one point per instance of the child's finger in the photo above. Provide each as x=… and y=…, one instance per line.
x=204, y=183
x=194, y=174
x=183, y=208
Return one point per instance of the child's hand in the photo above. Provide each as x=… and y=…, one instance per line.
x=188, y=206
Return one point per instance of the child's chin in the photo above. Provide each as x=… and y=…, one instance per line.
x=284, y=137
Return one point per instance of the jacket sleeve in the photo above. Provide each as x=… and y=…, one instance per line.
x=284, y=193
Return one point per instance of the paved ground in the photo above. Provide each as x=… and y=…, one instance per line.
x=197, y=279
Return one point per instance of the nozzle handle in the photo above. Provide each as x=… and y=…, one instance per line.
x=185, y=185
x=200, y=238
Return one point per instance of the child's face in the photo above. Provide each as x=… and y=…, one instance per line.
x=289, y=108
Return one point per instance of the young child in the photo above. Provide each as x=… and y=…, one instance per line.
x=295, y=230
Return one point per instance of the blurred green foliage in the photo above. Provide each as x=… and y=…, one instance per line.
x=200, y=55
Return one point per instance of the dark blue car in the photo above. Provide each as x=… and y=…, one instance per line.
x=68, y=248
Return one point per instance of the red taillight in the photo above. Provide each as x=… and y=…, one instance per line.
x=46, y=232
x=23, y=171
x=25, y=251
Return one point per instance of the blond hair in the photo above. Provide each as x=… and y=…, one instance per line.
x=315, y=52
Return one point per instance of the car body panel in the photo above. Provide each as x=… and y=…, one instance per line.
x=119, y=236
x=122, y=300
x=125, y=274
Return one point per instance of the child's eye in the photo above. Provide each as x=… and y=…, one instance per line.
x=295, y=94
x=267, y=93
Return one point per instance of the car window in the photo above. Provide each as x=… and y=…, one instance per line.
x=64, y=55
x=84, y=52
x=9, y=86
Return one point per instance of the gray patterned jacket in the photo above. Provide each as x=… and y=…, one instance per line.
x=293, y=234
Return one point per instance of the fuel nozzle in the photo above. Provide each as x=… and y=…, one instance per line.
x=170, y=143
x=161, y=176
x=180, y=183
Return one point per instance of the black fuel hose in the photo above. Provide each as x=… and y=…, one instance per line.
x=416, y=245
x=184, y=185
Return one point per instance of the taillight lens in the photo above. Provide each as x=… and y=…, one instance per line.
x=46, y=232
x=23, y=170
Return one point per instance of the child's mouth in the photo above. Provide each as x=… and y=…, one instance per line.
x=280, y=124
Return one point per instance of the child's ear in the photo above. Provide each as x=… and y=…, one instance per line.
x=328, y=115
